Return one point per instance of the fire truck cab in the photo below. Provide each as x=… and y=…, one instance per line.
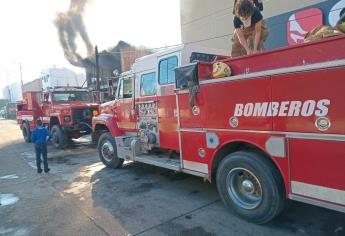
x=273, y=130
x=66, y=111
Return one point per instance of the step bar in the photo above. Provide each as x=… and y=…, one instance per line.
x=161, y=161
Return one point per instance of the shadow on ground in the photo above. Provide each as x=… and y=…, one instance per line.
x=138, y=191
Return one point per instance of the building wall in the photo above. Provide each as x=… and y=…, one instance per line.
x=12, y=92
x=33, y=86
x=55, y=77
x=129, y=55
x=210, y=23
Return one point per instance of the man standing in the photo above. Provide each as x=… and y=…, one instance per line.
x=248, y=22
x=40, y=136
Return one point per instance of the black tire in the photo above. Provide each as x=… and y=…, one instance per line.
x=107, y=151
x=59, y=138
x=94, y=138
x=251, y=186
x=26, y=132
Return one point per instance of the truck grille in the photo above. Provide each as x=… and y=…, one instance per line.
x=82, y=115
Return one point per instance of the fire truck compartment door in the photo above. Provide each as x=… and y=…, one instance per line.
x=302, y=98
x=317, y=168
x=316, y=152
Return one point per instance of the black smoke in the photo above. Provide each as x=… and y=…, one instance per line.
x=70, y=24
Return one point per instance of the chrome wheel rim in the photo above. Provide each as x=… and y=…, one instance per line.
x=107, y=151
x=244, y=188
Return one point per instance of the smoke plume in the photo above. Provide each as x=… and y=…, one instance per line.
x=70, y=24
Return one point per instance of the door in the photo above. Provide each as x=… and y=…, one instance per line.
x=167, y=111
x=124, y=104
x=45, y=108
x=310, y=110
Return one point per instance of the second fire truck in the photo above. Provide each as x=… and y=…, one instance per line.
x=66, y=111
x=274, y=130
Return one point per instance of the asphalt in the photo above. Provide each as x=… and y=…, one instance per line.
x=82, y=197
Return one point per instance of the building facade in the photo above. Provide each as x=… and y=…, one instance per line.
x=210, y=23
x=12, y=92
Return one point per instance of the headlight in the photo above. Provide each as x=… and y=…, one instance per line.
x=95, y=113
x=67, y=118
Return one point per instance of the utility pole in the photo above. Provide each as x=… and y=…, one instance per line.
x=21, y=74
x=98, y=87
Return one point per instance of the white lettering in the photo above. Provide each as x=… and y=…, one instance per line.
x=248, y=109
x=283, y=108
x=295, y=108
x=238, y=110
x=308, y=108
x=273, y=109
x=322, y=106
x=260, y=109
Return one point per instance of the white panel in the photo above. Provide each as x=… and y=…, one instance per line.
x=319, y=192
x=276, y=146
x=196, y=166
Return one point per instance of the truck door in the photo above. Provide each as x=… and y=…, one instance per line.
x=167, y=112
x=312, y=116
x=45, y=107
x=124, y=105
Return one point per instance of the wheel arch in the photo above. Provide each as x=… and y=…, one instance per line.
x=106, y=122
x=97, y=131
x=100, y=127
x=239, y=145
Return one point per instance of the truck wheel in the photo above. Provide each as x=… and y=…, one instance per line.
x=251, y=186
x=59, y=138
x=107, y=151
x=26, y=132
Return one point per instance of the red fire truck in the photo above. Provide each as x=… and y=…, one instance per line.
x=272, y=131
x=67, y=111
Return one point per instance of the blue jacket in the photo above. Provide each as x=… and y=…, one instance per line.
x=40, y=135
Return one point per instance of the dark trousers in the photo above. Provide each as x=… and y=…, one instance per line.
x=41, y=149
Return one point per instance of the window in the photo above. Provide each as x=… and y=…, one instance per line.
x=120, y=90
x=167, y=70
x=125, y=88
x=71, y=96
x=148, y=84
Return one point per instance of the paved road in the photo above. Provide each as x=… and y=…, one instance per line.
x=81, y=197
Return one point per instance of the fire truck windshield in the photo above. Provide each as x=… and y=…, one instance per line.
x=71, y=96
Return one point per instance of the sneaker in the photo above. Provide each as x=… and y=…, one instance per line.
x=47, y=170
x=39, y=171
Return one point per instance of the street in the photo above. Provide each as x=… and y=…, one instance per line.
x=82, y=197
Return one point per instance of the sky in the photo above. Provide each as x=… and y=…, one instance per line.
x=29, y=38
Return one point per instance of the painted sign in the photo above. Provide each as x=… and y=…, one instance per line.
x=289, y=28
x=301, y=22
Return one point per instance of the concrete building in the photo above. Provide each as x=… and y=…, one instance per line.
x=210, y=23
x=55, y=77
x=12, y=92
